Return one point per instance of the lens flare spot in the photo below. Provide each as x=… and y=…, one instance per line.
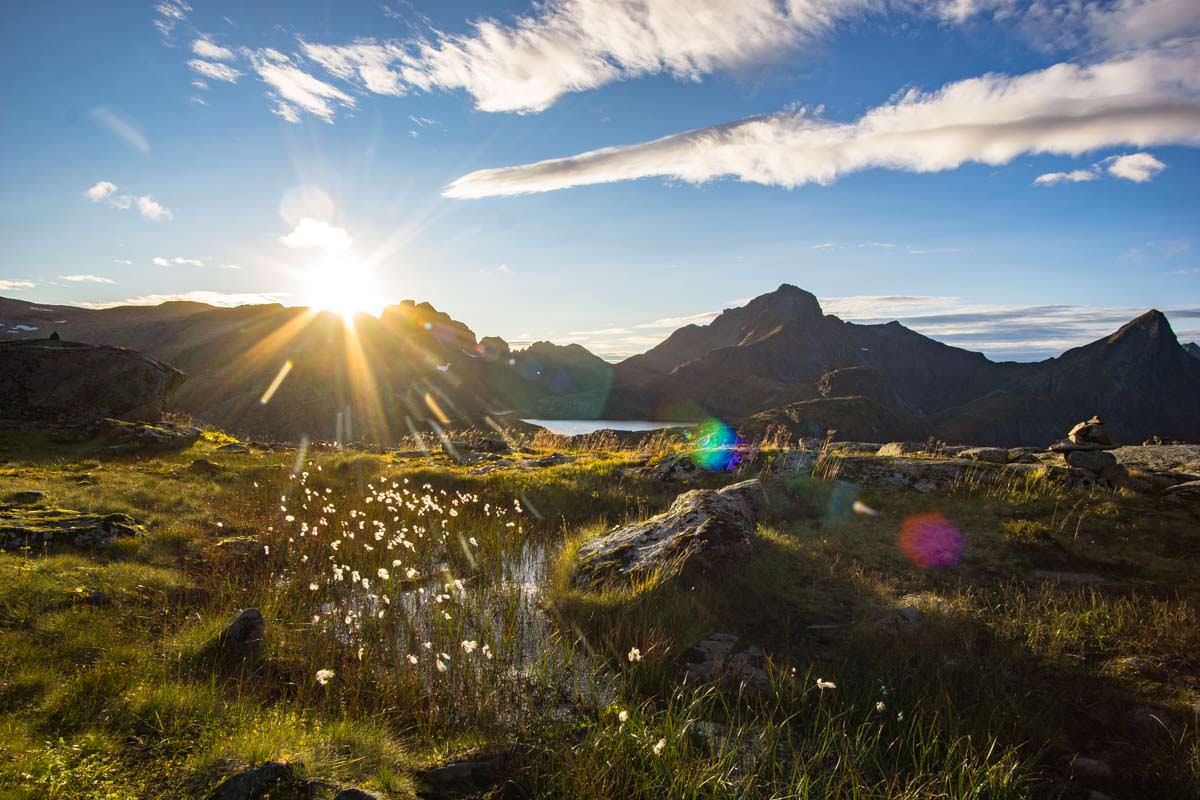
x=860, y=507
x=714, y=446
x=929, y=540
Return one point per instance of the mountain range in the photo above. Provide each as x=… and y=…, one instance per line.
x=776, y=361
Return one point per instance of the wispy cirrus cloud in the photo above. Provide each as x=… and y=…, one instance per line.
x=1149, y=98
x=214, y=70
x=13, y=285
x=208, y=49
x=162, y=261
x=294, y=90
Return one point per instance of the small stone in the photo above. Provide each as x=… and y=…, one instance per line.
x=239, y=643
x=234, y=447
x=202, y=466
x=1089, y=770
x=992, y=455
x=718, y=659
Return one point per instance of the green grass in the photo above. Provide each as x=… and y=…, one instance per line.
x=103, y=693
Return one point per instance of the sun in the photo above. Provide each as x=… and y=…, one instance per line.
x=343, y=286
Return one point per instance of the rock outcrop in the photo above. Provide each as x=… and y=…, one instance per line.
x=719, y=659
x=53, y=381
x=702, y=530
x=22, y=525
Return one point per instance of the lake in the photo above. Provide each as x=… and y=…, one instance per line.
x=573, y=427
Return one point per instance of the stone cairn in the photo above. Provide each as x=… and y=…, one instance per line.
x=1086, y=451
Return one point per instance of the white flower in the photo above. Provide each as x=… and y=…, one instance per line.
x=312, y=587
x=473, y=542
x=487, y=651
x=823, y=685
x=635, y=655
x=411, y=573
x=658, y=746
x=324, y=676
x=880, y=706
x=383, y=574
x=899, y=716
x=623, y=716
x=469, y=646
x=441, y=665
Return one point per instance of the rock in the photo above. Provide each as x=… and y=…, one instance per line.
x=786, y=461
x=202, y=466
x=552, y=460
x=1089, y=770
x=22, y=526
x=717, y=659
x=239, y=643
x=29, y=497
x=1023, y=455
x=1185, y=493
x=992, y=455
x=473, y=772
x=257, y=782
x=117, y=437
x=1181, y=459
x=70, y=383
x=673, y=469
x=234, y=447
x=703, y=529
x=1090, y=434
x=354, y=794
x=1091, y=460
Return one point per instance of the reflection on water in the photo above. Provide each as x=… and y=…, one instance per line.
x=574, y=427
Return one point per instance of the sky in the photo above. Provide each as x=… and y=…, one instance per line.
x=1007, y=176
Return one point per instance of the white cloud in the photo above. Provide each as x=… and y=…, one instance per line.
x=122, y=261
x=100, y=191
x=576, y=45
x=151, y=209
x=206, y=48
x=504, y=269
x=314, y=233
x=147, y=206
x=223, y=299
x=160, y=261
x=1074, y=176
x=8, y=285
x=123, y=129
x=1149, y=98
x=293, y=88
x=702, y=318
x=215, y=70
x=170, y=13
x=1136, y=167
x=85, y=279
x=229, y=266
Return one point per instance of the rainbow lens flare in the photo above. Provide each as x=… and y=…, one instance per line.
x=713, y=446
x=929, y=540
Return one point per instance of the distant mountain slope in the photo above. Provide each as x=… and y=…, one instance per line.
x=779, y=359
x=1192, y=349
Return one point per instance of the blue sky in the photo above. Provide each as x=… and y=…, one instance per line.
x=1006, y=176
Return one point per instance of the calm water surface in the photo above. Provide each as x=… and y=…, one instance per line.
x=572, y=427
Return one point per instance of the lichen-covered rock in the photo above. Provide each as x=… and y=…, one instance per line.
x=672, y=469
x=23, y=526
x=718, y=659
x=116, y=437
x=701, y=530
x=52, y=381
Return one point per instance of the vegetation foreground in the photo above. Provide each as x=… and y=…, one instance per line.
x=415, y=609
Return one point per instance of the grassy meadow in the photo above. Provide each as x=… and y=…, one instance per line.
x=416, y=608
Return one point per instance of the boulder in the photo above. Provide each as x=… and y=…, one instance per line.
x=1092, y=460
x=672, y=469
x=1090, y=434
x=353, y=793
x=205, y=467
x=29, y=497
x=262, y=781
x=718, y=659
x=239, y=643
x=894, y=449
x=473, y=772
x=59, y=382
x=24, y=526
x=992, y=455
x=703, y=529
x=1185, y=493
x=118, y=437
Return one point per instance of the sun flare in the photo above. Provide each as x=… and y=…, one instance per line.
x=343, y=286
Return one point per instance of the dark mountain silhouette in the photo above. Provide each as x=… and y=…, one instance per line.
x=778, y=360
x=1192, y=349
